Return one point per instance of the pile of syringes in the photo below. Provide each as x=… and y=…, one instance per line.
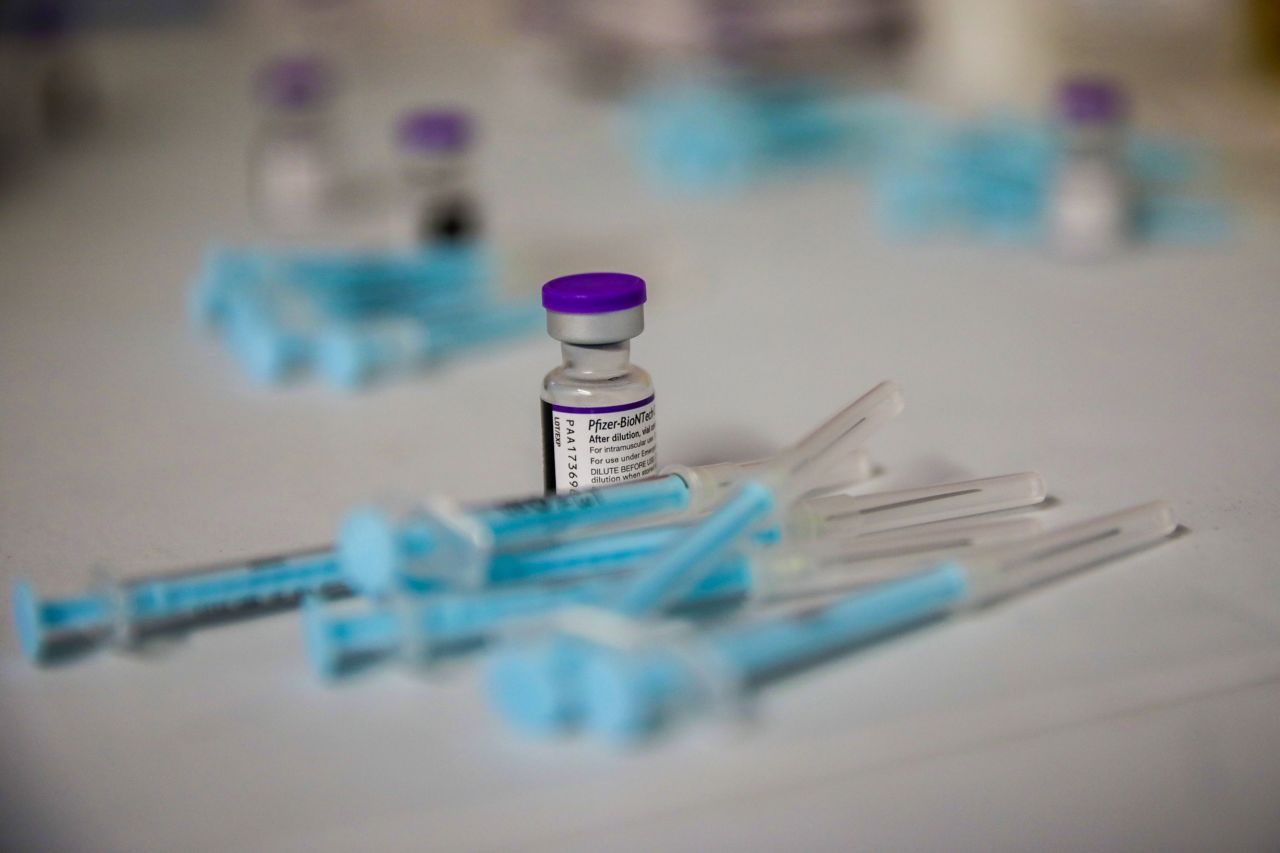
x=998, y=175
x=352, y=316
x=625, y=609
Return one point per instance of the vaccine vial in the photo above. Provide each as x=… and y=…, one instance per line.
x=1091, y=202
x=293, y=166
x=54, y=70
x=438, y=208
x=598, y=421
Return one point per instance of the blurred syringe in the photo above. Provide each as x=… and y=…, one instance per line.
x=633, y=686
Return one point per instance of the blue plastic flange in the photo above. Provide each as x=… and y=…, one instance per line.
x=265, y=355
x=222, y=269
x=318, y=638
x=535, y=685
x=369, y=551
x=621, y=697
x=342, y=360
x=27, y=621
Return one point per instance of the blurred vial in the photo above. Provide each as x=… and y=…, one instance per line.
x=48, y=89
x=293, y=163
x=437, y=208
x=1090, y=206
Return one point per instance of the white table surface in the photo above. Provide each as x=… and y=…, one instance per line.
x=1134, y=708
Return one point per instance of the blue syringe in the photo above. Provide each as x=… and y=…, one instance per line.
x=343, y=283
x=351, y=355
x=384, y=546
x=724, y=137
x=269, y=330
x=126, y=613
x=420, y=630
x=274, y=330
x=635, y=687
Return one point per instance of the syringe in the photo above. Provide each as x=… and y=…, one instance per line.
x=345, y=283
x=122, y=613
x=126, y=613
x=420, y=630
x=275, y=328
x=359, y=284
x=724, y=137
x=382, y=546
x=351, y=355
x=632, y=686
x=269, y=330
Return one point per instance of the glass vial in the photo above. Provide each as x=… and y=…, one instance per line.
x=438, y=209
x=1091, y=201
x=56, y=80
x=293, y=167
x=598, y=421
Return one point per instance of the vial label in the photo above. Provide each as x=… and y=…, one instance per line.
x=587, y=447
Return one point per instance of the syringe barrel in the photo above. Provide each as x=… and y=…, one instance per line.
x=234, y=588
x=122, y=612
x=628, y=693
x=335, y=640
x=459, y=617
x=603, y=553
x=383, y=544
x=454, y=618
x=675, y=570
x=586, y=556
x=757, y=652
x=450, y=619
x=548, y=516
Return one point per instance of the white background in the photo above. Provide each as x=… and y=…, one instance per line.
x=1134, y=708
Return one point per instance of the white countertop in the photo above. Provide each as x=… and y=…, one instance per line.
x=1133, y=708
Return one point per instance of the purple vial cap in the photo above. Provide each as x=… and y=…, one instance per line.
x=295, y=82
x=434, y=130
x=1090, y=100
x=593, y=293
